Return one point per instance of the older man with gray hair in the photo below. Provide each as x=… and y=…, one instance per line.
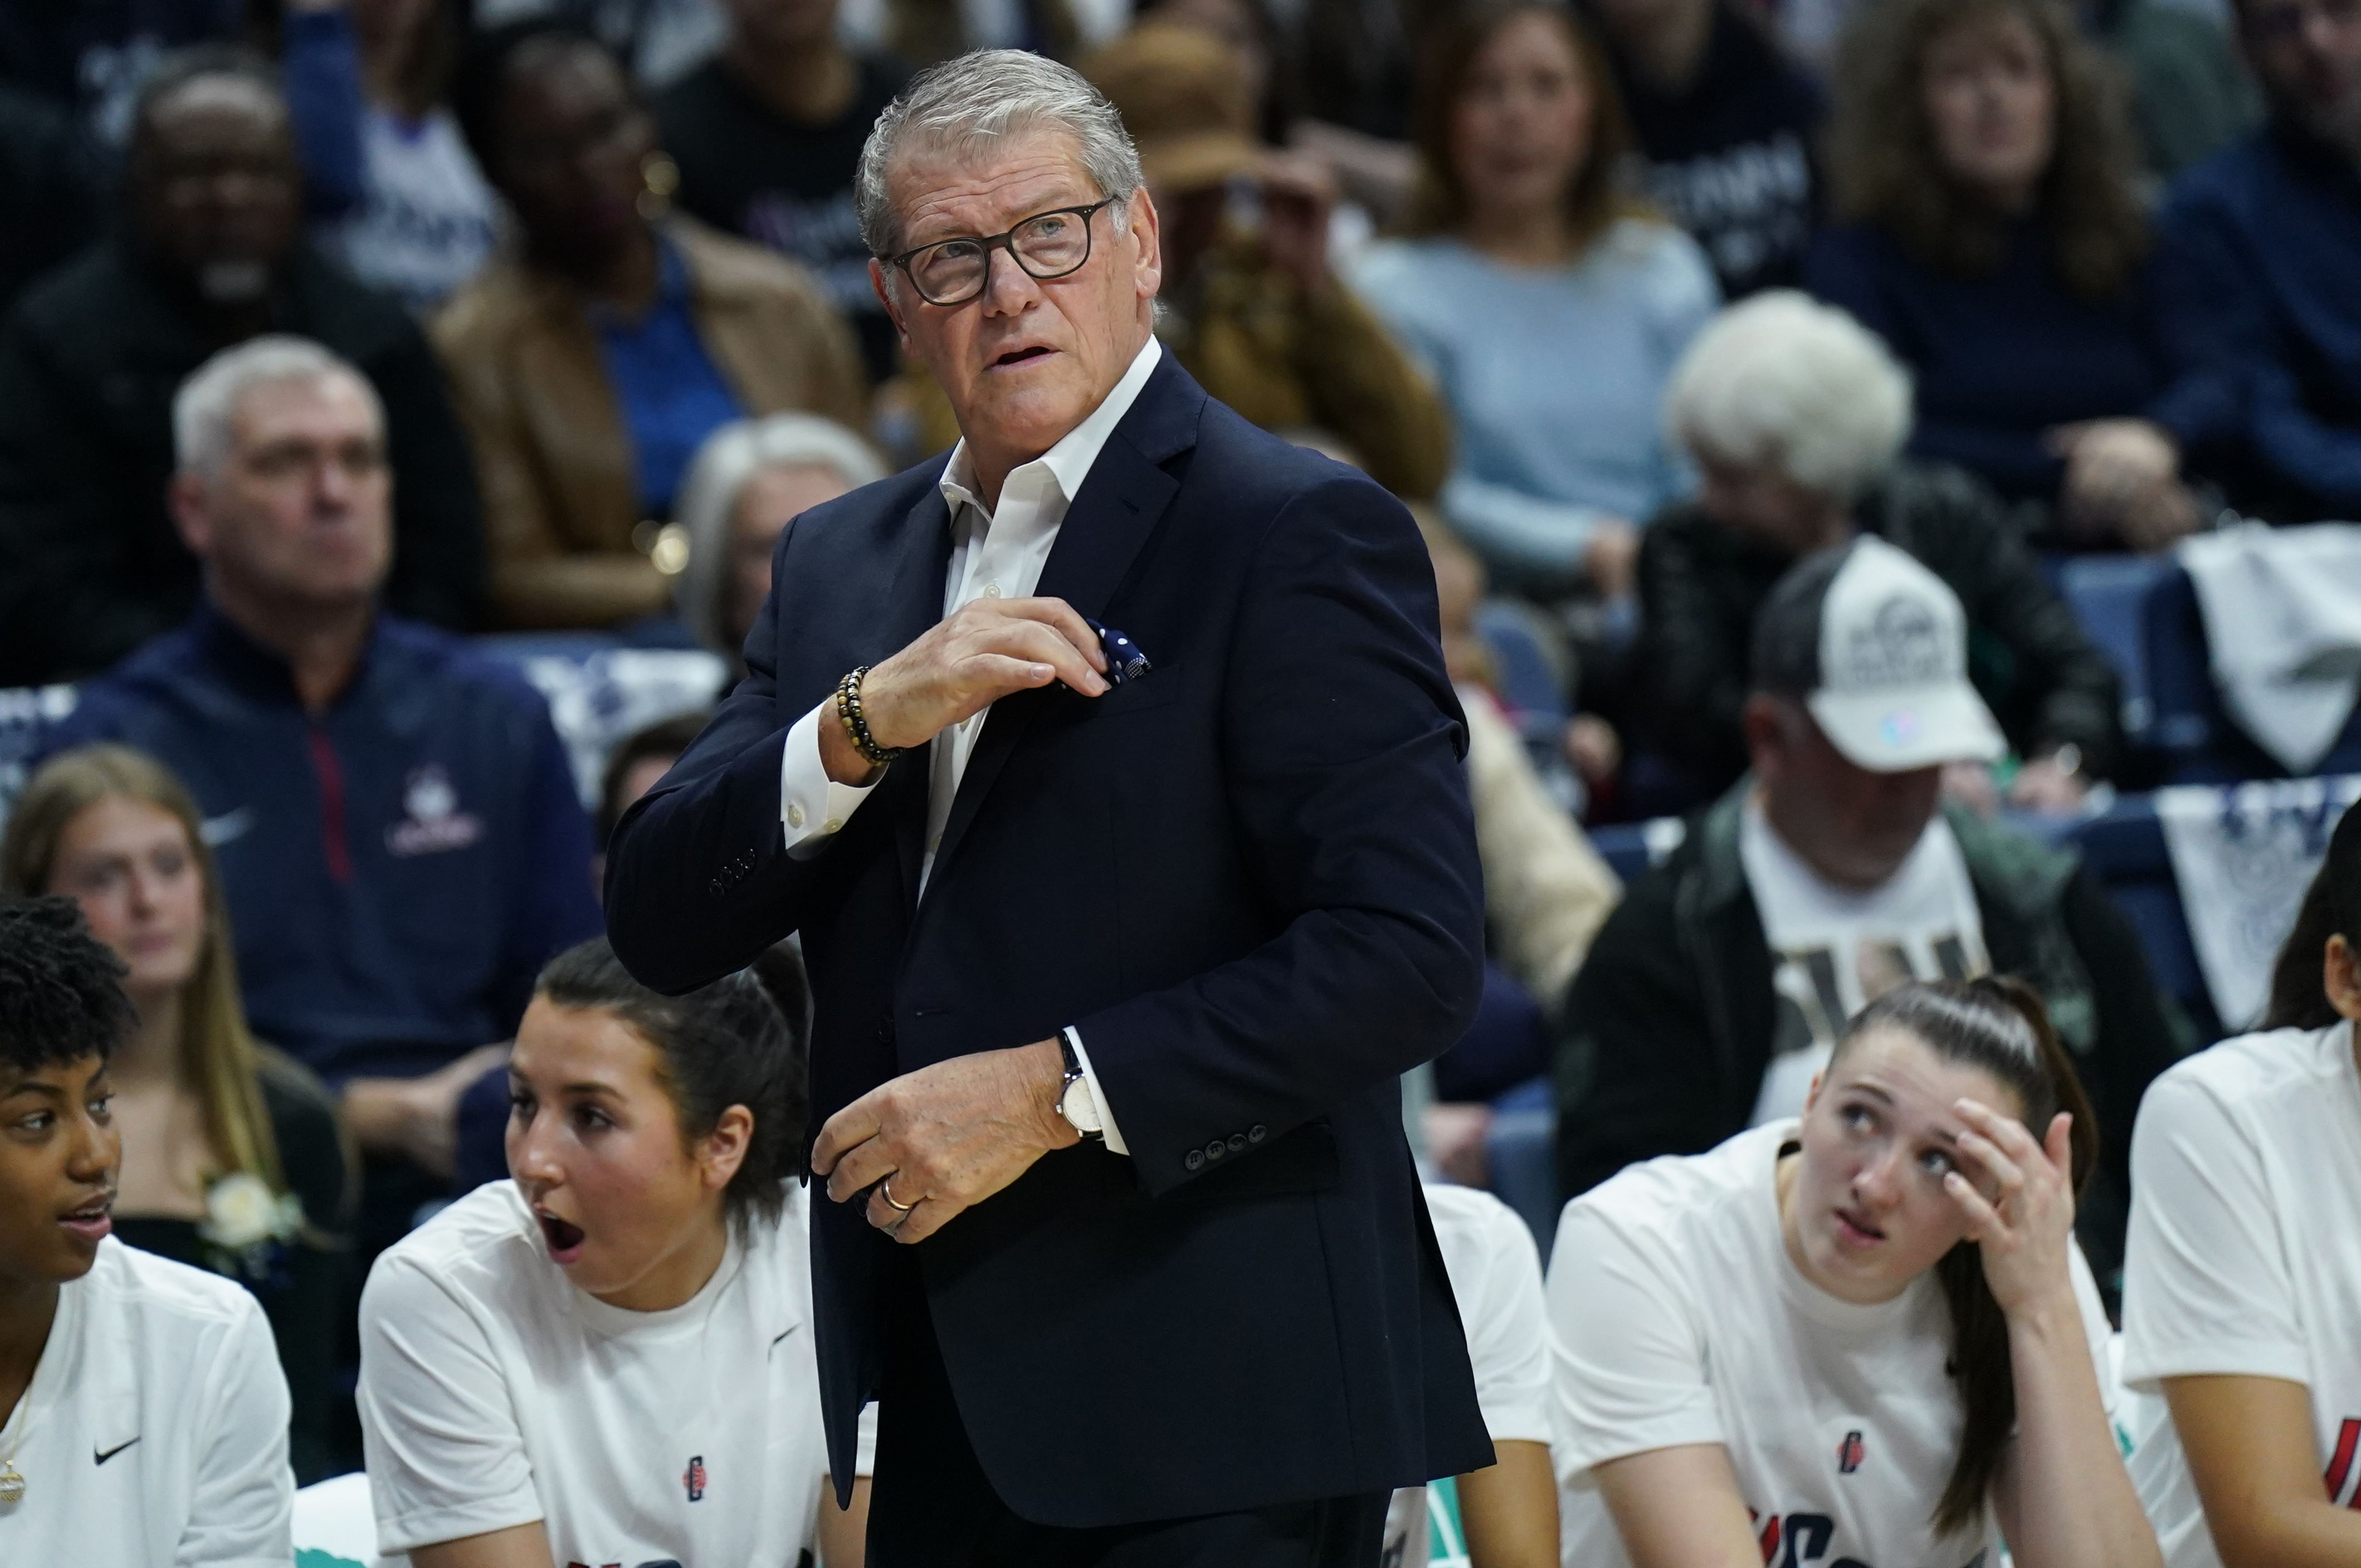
x=1116, y=971
x=398, y=836
x=1795, y=415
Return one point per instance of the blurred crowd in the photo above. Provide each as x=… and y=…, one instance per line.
x=1741, y=360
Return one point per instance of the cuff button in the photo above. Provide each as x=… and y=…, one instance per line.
x=1196, y=1160
x=1238, y=1143
x=1256, y=1133
x=795, y=816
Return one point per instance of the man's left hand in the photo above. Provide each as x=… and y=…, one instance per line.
x=946, y=1137
x=1297, y=197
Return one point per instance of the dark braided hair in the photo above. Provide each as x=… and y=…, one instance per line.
x=62, y=996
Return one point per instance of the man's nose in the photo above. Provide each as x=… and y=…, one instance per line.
x=96, y=1149
x=1008, y=289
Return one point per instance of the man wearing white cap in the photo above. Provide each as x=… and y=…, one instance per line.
x=1833, y=873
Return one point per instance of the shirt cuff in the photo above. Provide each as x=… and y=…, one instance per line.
x=1113, y=1134
x=813, y=808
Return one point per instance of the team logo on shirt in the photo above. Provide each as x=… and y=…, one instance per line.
x=693, y=1478
x=1850, y=1452
x=433, y=821
x=2340, y=1471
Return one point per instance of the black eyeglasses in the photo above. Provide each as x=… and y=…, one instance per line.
x=1046, y=244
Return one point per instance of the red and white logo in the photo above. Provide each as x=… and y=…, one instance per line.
x=1850, y=1452
x=693, y=1478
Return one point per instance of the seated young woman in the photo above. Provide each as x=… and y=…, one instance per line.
x=2241, y=1282
x=609, y=1358
x=1866, y=1337
x=143, y=1416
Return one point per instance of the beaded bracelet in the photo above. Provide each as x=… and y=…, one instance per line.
x=856, y=726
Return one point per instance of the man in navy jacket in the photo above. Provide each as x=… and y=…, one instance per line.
x=1116, y=971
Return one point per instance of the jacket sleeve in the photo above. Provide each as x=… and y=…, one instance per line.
x=1343, y=744
x=1363, y=387
x=1635, y=1072
x=1696, y=659
x=438, y=513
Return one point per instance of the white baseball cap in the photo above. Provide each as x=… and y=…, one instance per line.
x=1876, y=646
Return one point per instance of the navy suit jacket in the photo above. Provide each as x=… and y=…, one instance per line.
x=1248, y=877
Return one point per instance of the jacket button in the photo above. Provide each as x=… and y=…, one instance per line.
x=715, y=887
x=1196, y=1160
x=1256, y=1133
x=1237, y=1141
x=885, y=1032
x=1216, y=1149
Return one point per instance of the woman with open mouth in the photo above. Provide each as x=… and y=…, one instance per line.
x=608, y=1358
x=143, y=1416
x=1867, y=1337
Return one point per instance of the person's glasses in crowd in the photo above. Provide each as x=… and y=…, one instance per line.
x=1046, y=244
x=2279, y=23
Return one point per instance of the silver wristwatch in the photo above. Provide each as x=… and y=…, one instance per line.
x=1076, y=1103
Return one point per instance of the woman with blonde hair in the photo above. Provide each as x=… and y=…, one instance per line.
x=233, y=1158
x=1995, y=236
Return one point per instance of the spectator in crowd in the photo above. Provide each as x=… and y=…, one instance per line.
x=1795, y=416
x=93, y=60
x=400, y=201
x=143, y=1420
x=654, y=1231
x=1250, y=303
x=1726, y=124
x=1995, y=239
x=211, y=255
x=233, y=1157
x=1504, y=1516
x=2241, y=1274
x=921, y=33
x=1870, y=1323
x=1530, y=260
x=2191, y=96
x=639, y=760
x=767, y=135
x=398, y=835
x=750, y=480
x=1831, y=875
x=590, y=363
x=48, y=188
x=2256, y=256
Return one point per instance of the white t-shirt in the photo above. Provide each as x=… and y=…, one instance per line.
x=1834, y=951
x=2242, y=1257
x=494, y=1392
x=1496, y=1273
x=1678, y=1318
x=426, y=222
x=154, y=1433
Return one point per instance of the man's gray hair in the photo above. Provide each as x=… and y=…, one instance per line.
x=1784, y=381
x=967, y=104
x=206, y=404
x=709, y=500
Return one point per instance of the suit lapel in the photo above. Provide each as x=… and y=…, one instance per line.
x=913, y=604
x=1121, y=502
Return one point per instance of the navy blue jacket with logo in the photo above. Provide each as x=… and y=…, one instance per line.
x=398, y=868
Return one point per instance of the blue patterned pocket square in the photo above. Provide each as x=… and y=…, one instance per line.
x=1125, y=661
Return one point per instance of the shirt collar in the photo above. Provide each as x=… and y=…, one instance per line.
x=1069, y=463
x=261, y=670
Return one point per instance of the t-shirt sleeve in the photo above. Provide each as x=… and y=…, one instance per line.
x=1508, y=1326
x=1627, y=1356
x=242, y=1507
x=439, y=1429
x=2206, y=1286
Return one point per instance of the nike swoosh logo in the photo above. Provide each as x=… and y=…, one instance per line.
x=783, y=1333
x=98, y=1458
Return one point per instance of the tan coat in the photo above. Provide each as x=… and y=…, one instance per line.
x=552, y=453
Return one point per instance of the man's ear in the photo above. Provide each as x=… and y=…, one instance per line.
x=878, y=280
x=2340, y=977
x=1147, y=232
x=721, y=1151
x=1762, y=722
x=184, y=497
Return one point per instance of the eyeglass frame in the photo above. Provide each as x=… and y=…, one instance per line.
x=1006, y=240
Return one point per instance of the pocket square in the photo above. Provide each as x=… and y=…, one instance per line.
x=1125, y=661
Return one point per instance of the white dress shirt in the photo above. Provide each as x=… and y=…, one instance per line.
x=996, y=553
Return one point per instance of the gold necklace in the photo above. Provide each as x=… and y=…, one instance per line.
x=11, y=1480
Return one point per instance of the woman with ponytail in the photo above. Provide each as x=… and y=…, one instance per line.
x=2242, y=1283
x=1863, y=1339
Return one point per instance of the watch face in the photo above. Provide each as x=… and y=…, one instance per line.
x=1076, y=1107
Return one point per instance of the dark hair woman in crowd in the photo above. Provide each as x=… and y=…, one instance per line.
x=559, y=1368
x=233, y=1158
x=1527, y=258
x=1868, y=1332
x=591, y=362
x=1994, y=236
x=2241, y=1279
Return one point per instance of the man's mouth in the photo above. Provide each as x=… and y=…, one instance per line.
x=93, y=1221
x=1021, y=355
x=564, y=1237
x=1856, y=1230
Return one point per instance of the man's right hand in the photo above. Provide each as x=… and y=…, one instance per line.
x=417, y=1118
x=983, y=651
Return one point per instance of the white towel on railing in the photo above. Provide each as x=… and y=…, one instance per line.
x=2282, y=609
x=2242, y=855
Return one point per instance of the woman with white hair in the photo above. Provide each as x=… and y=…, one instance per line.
x=750, y=479
x=1796, y=416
